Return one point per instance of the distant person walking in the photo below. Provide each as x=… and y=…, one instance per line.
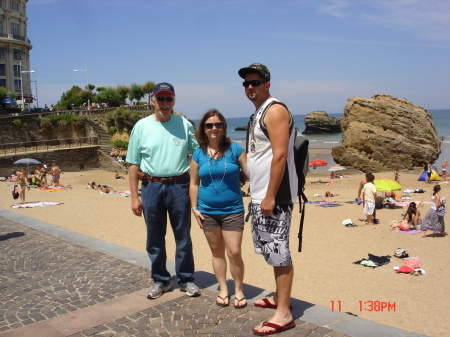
x=22, y=180
x=369, y=197
x=444, y=170
x=56, y=175
x=433, y=220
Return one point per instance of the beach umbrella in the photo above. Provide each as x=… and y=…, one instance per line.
x=27, y=161
x=317, y=163
x=385, y=184
x=336, y=168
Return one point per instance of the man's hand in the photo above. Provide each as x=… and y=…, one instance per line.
x=267, y=205
x=136, y=206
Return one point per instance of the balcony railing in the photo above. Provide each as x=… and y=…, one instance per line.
x=47, y=145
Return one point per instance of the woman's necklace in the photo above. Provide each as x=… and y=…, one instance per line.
x=211, y=157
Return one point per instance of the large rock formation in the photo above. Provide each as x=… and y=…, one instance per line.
x=384, y=133
x=320, y=122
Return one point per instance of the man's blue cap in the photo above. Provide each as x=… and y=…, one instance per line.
x=164, y=87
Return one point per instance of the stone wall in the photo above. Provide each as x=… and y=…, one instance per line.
x=69, y=160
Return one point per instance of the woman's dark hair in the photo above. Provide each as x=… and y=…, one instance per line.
x=202, y=138
x=436, y=189
x=411, y=211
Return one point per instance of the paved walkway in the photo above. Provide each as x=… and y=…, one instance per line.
x=55, y=282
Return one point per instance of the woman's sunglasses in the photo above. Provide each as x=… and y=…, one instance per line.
x=161, y=99
x=211, y=125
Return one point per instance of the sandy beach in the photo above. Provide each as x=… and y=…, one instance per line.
x=324, y=270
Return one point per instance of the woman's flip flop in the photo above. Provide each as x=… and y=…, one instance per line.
x=223, y=299
x=240, y=306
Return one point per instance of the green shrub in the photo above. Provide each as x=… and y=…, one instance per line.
x=79, y=122
x=17, y=123
x=46, y=125
x=112, y=130
x=63, y=124
x=110, y=120
x=120, y=144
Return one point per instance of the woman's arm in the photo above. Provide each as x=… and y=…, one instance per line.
x=193, y=192
x=242, y=160
x=437, y=198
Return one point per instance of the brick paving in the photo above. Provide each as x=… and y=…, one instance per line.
x=53, y=287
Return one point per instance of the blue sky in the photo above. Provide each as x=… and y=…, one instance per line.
x=319, y=52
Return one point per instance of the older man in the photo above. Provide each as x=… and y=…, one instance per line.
x=159, y=146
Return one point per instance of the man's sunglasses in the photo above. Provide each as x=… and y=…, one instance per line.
x=211, y=125
x=253, y=83
x=162, y=98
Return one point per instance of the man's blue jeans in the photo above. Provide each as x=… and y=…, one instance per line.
x=158, y=200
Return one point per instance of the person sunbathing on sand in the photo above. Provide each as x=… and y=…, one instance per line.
x=92, y=185
x=328, y=194
x=410, y=221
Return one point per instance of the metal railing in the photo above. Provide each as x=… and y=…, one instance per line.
x=47, y=145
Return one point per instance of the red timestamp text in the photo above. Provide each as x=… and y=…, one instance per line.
x=377, y=306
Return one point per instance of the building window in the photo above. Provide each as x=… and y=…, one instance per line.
x=1, y=24
x=2, y=52
x=17, y=55
x=3, y=83
x=17, y=84
x=17, y=71
x=14, y=6
x=15, y=30
x=2, y=70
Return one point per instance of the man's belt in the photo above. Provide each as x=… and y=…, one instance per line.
x=145, y=178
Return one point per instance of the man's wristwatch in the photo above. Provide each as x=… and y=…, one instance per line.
x=194, y=209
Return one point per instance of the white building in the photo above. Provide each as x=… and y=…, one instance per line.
x=15, y=49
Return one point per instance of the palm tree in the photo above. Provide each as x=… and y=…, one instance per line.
x=148, y=88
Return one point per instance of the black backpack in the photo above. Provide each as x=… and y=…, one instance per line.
x=301, y=158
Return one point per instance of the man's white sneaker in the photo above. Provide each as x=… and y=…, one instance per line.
x=191, y=289
x=157, y=290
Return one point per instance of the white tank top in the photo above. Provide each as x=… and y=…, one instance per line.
x=259, y=159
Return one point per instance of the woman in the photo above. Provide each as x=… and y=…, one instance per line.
x=444, y=170
x=216, y=201
x=432, y=221
x=410, y=220
x=22, y=178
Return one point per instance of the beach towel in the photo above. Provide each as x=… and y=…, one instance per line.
x=124, y=194
x=413, y=262
x=415, y=231
x=37, y=204
x=374, y=261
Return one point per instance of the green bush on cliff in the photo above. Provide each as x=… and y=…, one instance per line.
x=63, y=124
x=17, y=123
x=119, y=143
x=46, y=125
x=112, y=130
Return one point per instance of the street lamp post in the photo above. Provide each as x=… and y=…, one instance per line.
x=87, y=83
x=21, y=83
x=37, y=98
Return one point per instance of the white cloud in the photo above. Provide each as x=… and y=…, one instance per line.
x=425, y=18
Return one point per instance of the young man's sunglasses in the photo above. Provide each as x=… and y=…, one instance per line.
x=253, y=83
x=211, y=125
x=162, y=98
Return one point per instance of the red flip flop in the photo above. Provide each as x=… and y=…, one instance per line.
x=266, y=304
x=278, y=328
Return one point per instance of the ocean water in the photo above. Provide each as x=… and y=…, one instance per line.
x=441, y=119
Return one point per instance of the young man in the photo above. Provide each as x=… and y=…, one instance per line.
x=159, y=146
x=274, y=190
x=369, y=197
x=56, y=174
